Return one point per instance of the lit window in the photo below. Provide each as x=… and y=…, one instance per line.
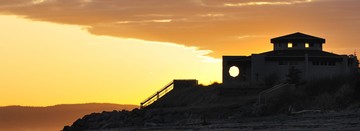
x=307, y=45
x=290, y=45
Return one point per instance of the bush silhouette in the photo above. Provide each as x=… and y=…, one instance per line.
x=294, y=76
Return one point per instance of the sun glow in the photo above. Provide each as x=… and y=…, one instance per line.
x=46, y=64
x=234, y=71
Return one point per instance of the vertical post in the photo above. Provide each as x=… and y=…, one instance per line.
x=306, y=66
x=157, y=95
x=265, y=99
x=259, y=98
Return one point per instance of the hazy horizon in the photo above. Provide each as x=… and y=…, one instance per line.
x=64, y=104
x=18, y=118
x=122, y=51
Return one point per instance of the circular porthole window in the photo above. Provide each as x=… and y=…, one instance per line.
x=234, y=71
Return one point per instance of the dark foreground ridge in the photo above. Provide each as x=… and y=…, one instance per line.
x=50, y=118
x=324, y=104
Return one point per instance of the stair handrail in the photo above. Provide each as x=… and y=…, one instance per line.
x=270, y=90
x=273, y=88
x=156, y=94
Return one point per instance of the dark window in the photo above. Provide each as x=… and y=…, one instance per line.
x=293, y=63
x=311, y=44
x=295, y=45
x=323, y=63
x=282, y=62
x=315, y=63
x=288, y=63
x=332, y=63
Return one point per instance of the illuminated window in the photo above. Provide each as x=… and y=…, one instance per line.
x=290, y=45
x=307, y=45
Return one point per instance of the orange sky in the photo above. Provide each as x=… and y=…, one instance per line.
x=121, y=51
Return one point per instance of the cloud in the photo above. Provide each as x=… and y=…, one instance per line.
x=145, y=21
x=207, y=24
x=249, y=36
x=212, y=15
x=268, y=3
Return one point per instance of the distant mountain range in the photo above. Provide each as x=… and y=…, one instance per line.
x=51, y=118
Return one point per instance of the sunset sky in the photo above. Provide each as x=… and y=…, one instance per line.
x=122, y=51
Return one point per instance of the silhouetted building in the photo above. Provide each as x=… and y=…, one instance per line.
x=302, y=51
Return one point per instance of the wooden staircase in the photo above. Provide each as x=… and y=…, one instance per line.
x=175, y=84
x=267, y=94
x=166, y=89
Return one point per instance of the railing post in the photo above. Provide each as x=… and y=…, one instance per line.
x=157, y=95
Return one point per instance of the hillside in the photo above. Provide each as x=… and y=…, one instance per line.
x=324, y=104
x=180, y=107
x=51, y=118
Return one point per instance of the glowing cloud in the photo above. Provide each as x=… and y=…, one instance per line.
x=268, y=3
x=38, y=1
x=206, y=24
x=145, y=21
x=213, y=15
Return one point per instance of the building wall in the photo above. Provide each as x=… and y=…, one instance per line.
x=348, y=65
x=323, y=71
x=257, y=67
x=260, y=68
x=266, y=69
x=297, y=46
x=178, y=84
x=244, y=67
x=308, y=70
x=273, y=67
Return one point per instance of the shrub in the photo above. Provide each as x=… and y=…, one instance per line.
x=271, y=80
x=344, y=96
x=326, y=85
x=294, y=76
x=325, y=101
x=325, y=94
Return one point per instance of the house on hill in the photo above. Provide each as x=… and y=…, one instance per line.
x=301, y=51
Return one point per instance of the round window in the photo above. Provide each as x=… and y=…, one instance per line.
x=234, y=71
